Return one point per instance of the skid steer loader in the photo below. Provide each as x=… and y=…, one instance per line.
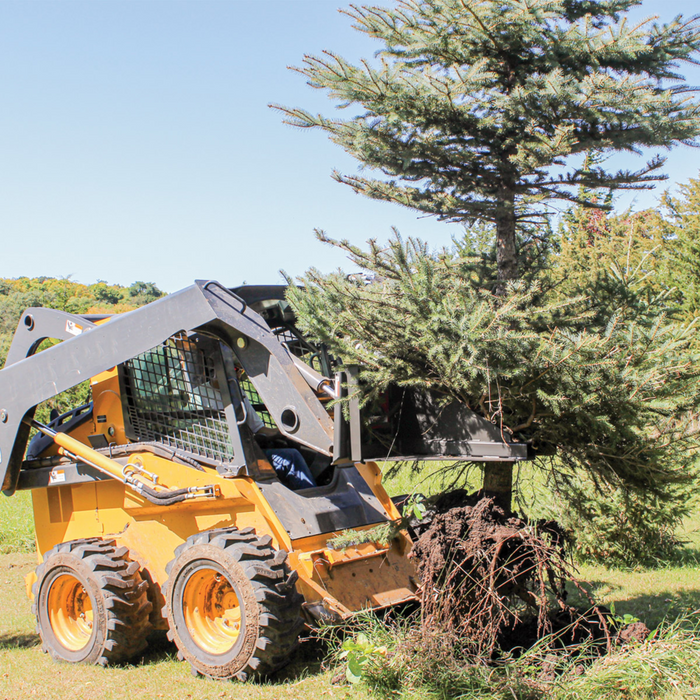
x=156, y=507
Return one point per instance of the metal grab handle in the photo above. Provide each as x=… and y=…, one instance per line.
x=229, y=292
x=245, y=412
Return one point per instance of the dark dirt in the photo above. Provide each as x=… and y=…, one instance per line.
x=468, y=533
x=637, y=632
x=570, y=628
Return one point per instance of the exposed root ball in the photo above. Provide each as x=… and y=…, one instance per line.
x=483, y=572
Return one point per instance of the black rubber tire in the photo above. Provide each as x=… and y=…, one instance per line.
x=117, y=594
x=270, y=605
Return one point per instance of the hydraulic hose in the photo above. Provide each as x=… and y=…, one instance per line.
x=77, y=451
x=169, y=453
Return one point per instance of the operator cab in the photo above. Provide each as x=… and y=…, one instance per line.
x=192, y=395
x=270, y=302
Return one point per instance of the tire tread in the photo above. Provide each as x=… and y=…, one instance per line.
x=266, y=568
x=124, y=593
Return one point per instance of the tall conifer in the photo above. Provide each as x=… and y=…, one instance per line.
x=476, y=111
x=471, y=103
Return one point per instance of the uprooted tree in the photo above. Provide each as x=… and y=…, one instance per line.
x=471, y=112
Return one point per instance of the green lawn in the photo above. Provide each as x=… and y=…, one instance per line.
x=16, y=523
x=25, y=672
x=656, y=594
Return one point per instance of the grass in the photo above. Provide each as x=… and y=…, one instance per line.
x=25, y=672
x=663, y=668
x=652, y=595
x=649, y=594
x=17, y=518
x=428, y=482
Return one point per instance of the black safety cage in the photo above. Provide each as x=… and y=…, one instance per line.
x=172, y=396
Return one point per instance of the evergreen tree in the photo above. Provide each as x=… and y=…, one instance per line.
x=682, y=227
x=473, y=101
x=615, y=402
x=473, y=113
x=613, y=262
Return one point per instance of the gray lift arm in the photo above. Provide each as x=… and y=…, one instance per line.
x=88, y=349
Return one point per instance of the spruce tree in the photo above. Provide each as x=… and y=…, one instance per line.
x=681, y=225
x=602, y=258
x=476, y=111
x=471, y=103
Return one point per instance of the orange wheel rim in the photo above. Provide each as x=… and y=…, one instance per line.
x=70, y=612
x=211, y=611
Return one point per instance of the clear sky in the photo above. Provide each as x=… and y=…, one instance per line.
x=136, y=142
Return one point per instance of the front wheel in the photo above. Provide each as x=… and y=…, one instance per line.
x=90, y=603
x=231, y=604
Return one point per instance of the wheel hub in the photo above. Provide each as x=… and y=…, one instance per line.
x=70, y=612
x=211, y=611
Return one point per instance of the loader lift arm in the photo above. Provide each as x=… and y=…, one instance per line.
x=88, y=349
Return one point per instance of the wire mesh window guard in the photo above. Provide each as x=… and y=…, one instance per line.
x=255, y=401
x=291, y=339
x=173, y=398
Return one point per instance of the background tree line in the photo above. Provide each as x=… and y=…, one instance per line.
x=16, y=295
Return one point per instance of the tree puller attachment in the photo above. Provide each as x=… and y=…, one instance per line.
x=197, y=492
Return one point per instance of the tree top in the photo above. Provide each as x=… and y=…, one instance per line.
x=474, y=104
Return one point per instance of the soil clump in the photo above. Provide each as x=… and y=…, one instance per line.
x=496, y=580
x=637, y=632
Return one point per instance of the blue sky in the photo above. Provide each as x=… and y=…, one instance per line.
x=136, y=142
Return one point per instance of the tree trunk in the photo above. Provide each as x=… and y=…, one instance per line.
x=498, y=476
x=506, y=259
x=498, y=484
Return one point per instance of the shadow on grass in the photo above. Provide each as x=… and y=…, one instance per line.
x=20, y=640
x=653, y=609
x=650, y=608
x=158, y=649
x=306, y=661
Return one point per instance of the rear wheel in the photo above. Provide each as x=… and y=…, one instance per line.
x=90, y=603
x=231, y=604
